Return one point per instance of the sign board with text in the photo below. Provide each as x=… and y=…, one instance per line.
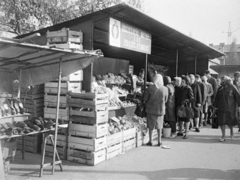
x=128, y=37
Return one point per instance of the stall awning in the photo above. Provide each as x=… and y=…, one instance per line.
x=39, y=64
x=165, y=40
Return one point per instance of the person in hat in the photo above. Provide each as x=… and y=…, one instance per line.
x=236, y=83
x=227, y=100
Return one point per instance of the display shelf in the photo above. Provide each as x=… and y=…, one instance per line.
x=14, y=118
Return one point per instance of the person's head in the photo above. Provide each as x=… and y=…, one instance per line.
x=185, y=80
x=207, y=74
x=158, y=80
x=192, y=78
x=197, y=78
x=142, y=73
x=204, y=79
x=178, y=81
x=226, y=80
x=167, y=80
x=237, y=76
x=219, y=81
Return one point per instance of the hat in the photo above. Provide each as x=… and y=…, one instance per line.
x=237, y=74
x=186, y=78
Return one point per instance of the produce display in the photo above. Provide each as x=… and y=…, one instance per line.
x=120, y=91
x=10, y=105
x=116, y=125
x=112, y=79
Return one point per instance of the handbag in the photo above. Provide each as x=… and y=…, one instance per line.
x=140, y=110
x=185, y=111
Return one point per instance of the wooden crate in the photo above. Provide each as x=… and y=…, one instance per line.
x=114, y=139
x=114, y=150
x=95, y=114
x=129, y=134
x=62, y=151
x=88, y=120
x=89, y=98
x=38, y=89
x=93, y=131
x=32, y=143
x=95, y=107
x=74, y=87
x=76, y=76
x=64, y=36
x=88, y=158
x=30, y=148
x=50, y=113
x=33, y=102
x=61, y=140
x=87, y=144
x=129, y=144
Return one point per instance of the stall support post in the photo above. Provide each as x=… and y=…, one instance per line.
x=57, y=115
x=145, y=75
x=177, y=63
x=195, y=63
x=2, y=173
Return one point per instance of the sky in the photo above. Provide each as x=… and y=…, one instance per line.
x=204, y=20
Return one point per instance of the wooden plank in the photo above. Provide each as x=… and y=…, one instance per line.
x=129, y=134
x=96, y=107
x=53, y=116
x=98, y=157
x=89, y=96
x=53, y=98
x=114, y=139
x=55, y=85
x=98, y=114
x=89, y=120
x=113, y=151
x=130, y=144
x=53, y=90
x=87, y=144
x=93, y=131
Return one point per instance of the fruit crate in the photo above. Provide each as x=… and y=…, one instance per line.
x=50, y=113
x=51, y=101
x=114, y=139
x=61, y=140
x=90, y=131
x=62, y=151
x=32, y=143
x=87, y=144
x=64, y=36
x=76, y=76
x=129, y=144
x=87, y=158
x=114, y=150
x=52, y=87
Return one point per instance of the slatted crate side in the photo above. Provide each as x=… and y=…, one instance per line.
x=114, y=139
x=93, y=131
x=55, y=85
x=129, y=133
x=59, y=143
x=31, y=96
x=31, y=149
x=52, y=87
x=29, y=105
x=129, y=144
x=87, y=144
x=88, y=96
x=78, y=103
x=54, y=90
x=94, y=114
x=76, y=76
x=35, y=110
x=53, y=98
x=38, y=89
x=51, y=113
x=37, y=138
x=35, y=102
x=62, y=151
x=88, y=120
x=97, y=158
x=114, y=150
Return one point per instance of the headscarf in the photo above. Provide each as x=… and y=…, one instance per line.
x=166, y=80
x=158, y=80
x=226, y=80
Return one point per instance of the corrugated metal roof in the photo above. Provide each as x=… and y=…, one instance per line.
x=165, y=40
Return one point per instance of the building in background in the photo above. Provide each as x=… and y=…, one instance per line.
x=228, y=64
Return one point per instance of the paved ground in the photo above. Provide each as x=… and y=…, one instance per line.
x=201, y=157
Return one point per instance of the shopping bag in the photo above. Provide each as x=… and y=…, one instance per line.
x=140, y=110
x=214, y=119
x=185, y=111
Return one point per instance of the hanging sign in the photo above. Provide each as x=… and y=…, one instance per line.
x=128, y=37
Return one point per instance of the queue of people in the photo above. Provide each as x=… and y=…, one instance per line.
x=164, y=98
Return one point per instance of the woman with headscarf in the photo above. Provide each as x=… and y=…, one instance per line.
x=185, y=95
x=226, y=101
x=155, y=99
x=170, y=115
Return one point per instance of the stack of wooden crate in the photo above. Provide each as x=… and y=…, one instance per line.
x=71, y=83
x=32, y=143
x=88, y=128
x=32, y=99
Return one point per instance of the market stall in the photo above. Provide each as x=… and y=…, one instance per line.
x=35, y=65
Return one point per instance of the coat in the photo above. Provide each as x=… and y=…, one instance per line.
x=213, y=82
x=182, y=94
x=155, y=100
x=196, y=94
x=227, y=100
x=170, y=105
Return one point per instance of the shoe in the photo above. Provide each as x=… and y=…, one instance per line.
x=149, y=144
x=185, y=136
x=179, y=134
x=222, y=139
x=197, y=130
x=159, y=144
x=172, y=136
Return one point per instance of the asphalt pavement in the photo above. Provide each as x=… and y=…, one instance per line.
x=200, y=157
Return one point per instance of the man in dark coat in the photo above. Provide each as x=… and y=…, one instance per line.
x=197, y=102
x=213, y=82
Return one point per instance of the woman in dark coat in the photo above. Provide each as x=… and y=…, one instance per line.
x=170, y=115
x=226, y=101
x=184, y=95
x=155, y=99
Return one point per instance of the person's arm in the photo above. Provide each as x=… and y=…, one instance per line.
x=210, y=93
x=236, y=95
